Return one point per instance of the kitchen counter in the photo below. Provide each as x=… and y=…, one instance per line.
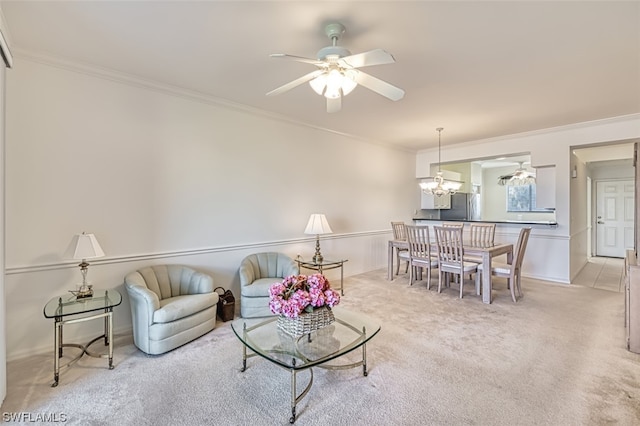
x=507, y=222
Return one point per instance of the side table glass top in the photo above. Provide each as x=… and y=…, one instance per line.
x=349, y=331
x=67, y=304
x=326, y=264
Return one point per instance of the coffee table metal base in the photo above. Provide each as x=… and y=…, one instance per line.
x=295, y=398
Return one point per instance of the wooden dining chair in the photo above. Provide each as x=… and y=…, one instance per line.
x=512, y=272
x=399, y=234
x=419, y=254
x=482, y=234
x=450, y=256
x=453, y=224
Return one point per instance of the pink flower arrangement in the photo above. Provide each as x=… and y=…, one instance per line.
x=301, y=293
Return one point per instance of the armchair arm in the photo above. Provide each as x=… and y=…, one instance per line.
x=247, y=276
x=144, y=302
x=291, y=268
x=201, y=283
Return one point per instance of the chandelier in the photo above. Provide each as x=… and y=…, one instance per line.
x=518, y=178
x=438, y=186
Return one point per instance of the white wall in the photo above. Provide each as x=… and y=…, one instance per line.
x=164, y=177
x=3, y=319
x=5, y=61
x=547, y=147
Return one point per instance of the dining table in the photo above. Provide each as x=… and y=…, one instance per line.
x=487, y=253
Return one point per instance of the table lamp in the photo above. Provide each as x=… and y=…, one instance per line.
x=82, y=247
x=317, y=225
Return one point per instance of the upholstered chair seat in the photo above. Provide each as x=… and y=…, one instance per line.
x=170, y=305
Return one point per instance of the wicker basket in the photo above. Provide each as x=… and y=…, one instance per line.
x=306, y=322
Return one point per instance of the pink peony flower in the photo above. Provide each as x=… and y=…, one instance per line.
x=297, y=293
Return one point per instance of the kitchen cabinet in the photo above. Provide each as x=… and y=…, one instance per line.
x=431, y=202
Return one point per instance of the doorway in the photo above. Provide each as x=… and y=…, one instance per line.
x=614, y=217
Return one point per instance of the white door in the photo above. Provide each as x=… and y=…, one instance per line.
x=614, y=217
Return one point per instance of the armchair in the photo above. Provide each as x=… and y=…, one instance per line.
x=257, y=273
x=170, y=305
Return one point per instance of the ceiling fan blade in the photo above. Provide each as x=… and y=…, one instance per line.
x=297, y=58
x=367, y=59
x=381, y=87
x=296, y=82
x=334, y=104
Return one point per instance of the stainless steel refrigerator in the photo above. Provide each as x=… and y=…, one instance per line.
x=463, y=207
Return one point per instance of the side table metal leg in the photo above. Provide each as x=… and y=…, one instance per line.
x=57, y=350
x=59, y=330
x=106, y=329
x=109, y=333
x=342, y=279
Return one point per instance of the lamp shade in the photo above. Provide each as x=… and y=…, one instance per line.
x=317, y=225
x=84, y=246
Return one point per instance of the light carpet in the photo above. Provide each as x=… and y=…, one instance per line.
x=557, y=357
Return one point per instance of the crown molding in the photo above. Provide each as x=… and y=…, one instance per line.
x=165, y=88
x=539, y=132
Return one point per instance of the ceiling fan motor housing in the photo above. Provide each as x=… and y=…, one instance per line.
x=338, y=51
x=333, y=31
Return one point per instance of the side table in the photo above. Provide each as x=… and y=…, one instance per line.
x=325, y=265
x=61, y=308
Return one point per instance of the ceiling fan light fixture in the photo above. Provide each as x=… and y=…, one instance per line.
x=519, y=177
x=334, y=83
x=318, y=84
x=348, y=81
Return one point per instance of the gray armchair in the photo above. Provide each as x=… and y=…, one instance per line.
x=257, y=273
x=170, y=305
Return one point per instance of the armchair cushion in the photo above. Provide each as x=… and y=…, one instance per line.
x=175, y=308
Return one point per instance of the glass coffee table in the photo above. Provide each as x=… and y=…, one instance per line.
x=349, y=332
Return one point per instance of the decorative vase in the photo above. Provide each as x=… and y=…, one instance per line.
x=306, y=322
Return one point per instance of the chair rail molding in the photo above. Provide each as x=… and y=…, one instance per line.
x=23, y=269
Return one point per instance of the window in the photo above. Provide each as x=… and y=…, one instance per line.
x=521, y=198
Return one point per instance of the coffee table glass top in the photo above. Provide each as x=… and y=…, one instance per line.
x=68, y=304
x=349, y=331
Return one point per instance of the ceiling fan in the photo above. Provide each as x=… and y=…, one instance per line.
x=521, y=176
x=338, y=74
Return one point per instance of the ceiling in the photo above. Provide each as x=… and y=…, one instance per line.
x=478, y=69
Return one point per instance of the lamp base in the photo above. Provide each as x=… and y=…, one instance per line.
x=317, y=258
x=83, y=292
